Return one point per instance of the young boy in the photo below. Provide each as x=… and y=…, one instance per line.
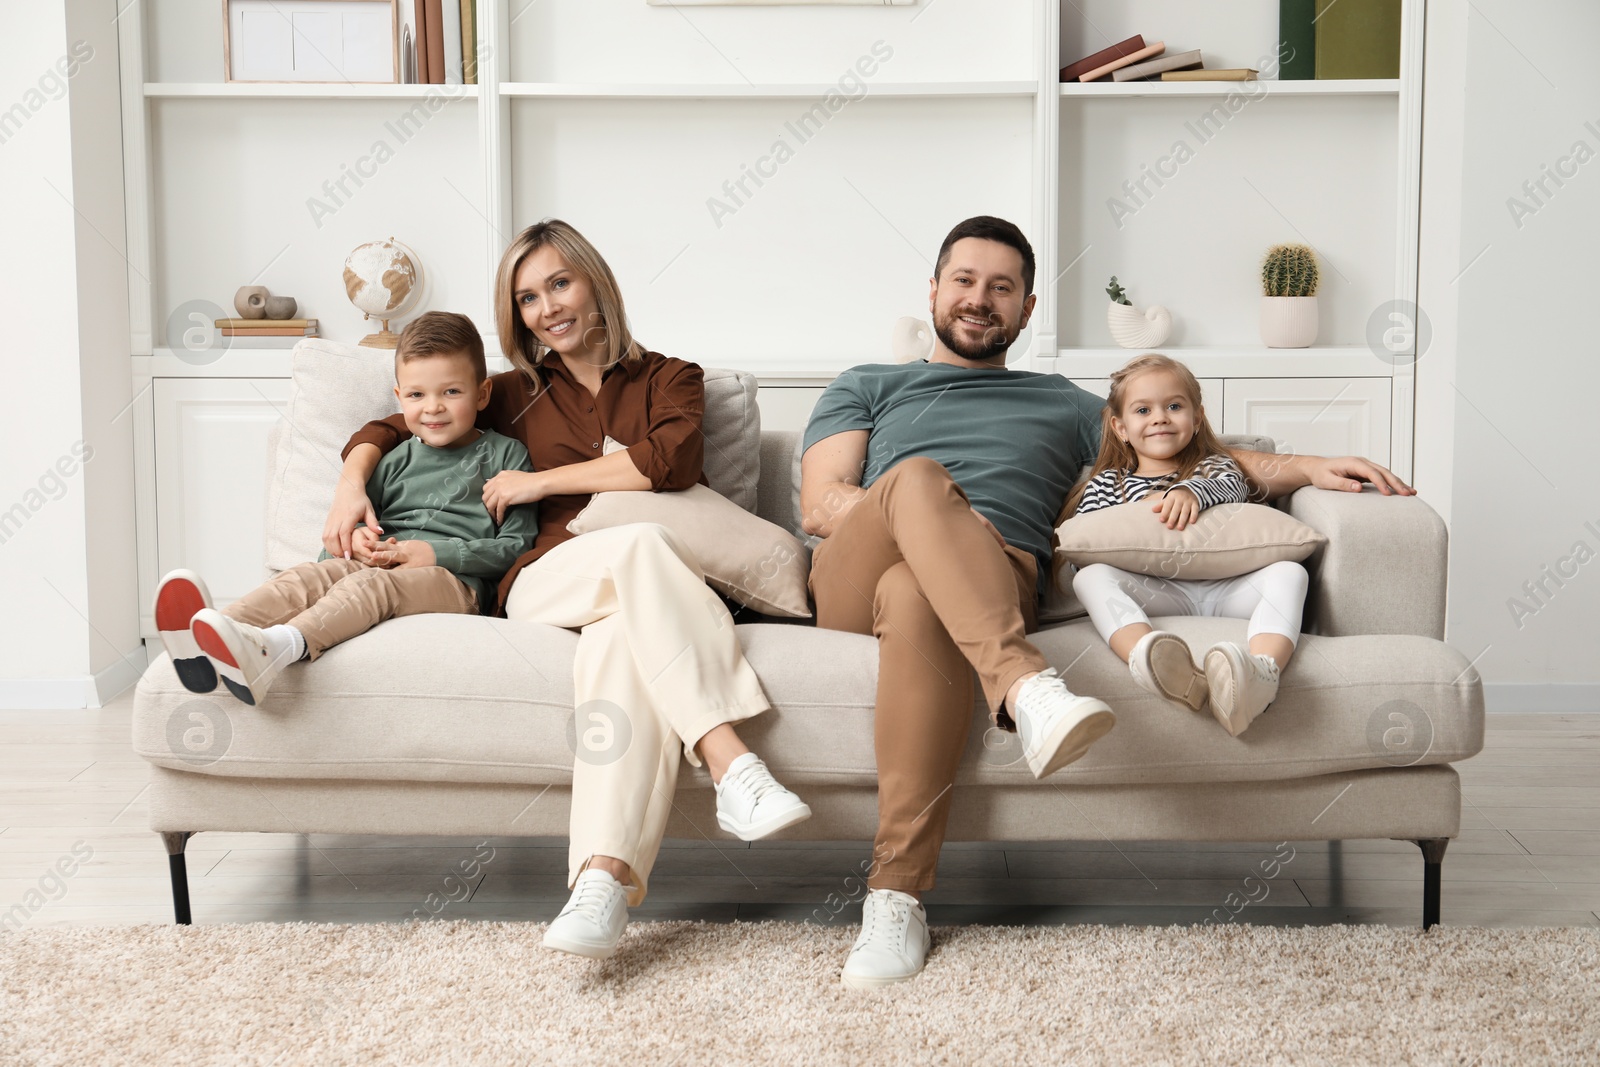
x=442, y=553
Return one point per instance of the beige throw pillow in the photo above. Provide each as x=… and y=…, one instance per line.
x=757, y=563
x=1226, y=541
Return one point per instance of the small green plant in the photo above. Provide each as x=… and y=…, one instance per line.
x=1117, y=293
x=1289, y=270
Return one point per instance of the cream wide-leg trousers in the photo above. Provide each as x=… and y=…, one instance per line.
x=658, y=666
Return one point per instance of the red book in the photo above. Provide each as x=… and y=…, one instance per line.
x=1072, y=71
x=435, y=40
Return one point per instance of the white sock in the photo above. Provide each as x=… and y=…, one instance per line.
x=285, y=644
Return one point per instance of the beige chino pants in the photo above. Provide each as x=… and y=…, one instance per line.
x=658, y=666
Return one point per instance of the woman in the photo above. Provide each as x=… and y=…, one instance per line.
x=658, y=668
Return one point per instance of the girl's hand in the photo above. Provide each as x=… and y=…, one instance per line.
x=509, y=488
x=350, y=507
x=1178, y=508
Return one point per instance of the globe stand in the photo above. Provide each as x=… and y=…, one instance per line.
x=382, y=339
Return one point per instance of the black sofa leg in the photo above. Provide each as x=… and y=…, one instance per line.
x=175, y=843
x=1432, y=862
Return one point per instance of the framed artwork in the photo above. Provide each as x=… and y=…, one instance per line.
x=311, y=41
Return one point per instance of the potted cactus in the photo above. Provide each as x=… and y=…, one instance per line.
x=1289, y=297
x=1131, y=327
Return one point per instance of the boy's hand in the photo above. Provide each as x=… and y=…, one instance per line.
x=1178, y=508
x=509, y=488
x=392, y=553
x=362, y=542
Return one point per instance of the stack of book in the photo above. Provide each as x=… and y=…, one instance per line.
x=1134, y=60
x=264, y=333
x=443, y=42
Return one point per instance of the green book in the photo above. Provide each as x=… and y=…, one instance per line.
x=1297, y=40
x=1358, y=39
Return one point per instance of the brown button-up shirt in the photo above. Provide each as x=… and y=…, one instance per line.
x=654, y=406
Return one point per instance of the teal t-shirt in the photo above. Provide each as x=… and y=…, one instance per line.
x=1015, y=441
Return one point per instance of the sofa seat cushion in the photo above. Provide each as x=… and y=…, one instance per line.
x=472, y=699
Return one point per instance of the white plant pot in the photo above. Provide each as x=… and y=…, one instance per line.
x=1133, y=328
x=1288, y=321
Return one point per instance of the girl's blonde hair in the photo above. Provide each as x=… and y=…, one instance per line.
x=1118, y=455
x=516, y=339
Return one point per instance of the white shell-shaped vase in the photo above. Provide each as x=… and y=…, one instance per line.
x=1133, y=328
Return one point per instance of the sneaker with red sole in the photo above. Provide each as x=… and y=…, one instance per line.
x=179, y=596
x=240, y=654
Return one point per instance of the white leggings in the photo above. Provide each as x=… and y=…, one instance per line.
x=1272, y=598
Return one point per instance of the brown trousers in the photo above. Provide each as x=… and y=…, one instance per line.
x=913, y=565
x=337, y=599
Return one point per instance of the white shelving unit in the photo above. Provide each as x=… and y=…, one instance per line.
x=631, y=121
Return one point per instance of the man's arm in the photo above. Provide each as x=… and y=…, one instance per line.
x=830, y=480
x=1273, y=475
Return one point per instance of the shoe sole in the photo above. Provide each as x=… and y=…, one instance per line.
x=179, y=596
x=756, y=831
x=1076, y=739
x=580, y=948
x=1169, y=661
x=873, y=981
x=225, y=654
x=1223, y=683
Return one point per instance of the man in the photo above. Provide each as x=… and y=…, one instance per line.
x=935, y=486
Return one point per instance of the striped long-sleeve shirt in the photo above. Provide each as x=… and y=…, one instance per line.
x=1218, y=480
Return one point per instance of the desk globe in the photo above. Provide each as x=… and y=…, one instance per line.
x=383, y=279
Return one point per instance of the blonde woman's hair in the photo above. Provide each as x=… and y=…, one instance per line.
x=516, y=339
x=1118, y=455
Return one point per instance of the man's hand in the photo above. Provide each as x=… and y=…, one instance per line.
x=510, y=488
x=392, y=553
x=1177, y=508
x=1347, y=473
x=362, y=542
x=987, y=525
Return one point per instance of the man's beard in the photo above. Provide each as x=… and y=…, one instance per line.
x=993, y=344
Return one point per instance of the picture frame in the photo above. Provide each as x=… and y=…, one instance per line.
x=285, y=41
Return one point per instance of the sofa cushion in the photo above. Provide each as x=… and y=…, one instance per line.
x=1225, y=541
x=381, y=706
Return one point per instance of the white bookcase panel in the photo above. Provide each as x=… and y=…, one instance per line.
x=1210, y=395
x=627, y=41
x=293, y=208
x=840, y=239
x=1313, y=416
x=210, y=457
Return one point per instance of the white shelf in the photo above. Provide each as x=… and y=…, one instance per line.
x=275, y=363
x=742, y=90
x=1234, y=361
x=304, y=90
x=1331, y=87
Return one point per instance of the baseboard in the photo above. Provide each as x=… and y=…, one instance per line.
x=82, y=691
x=1513, y=697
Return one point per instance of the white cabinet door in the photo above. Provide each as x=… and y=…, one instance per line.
x=211, y=467
x=786, y=407
x=1210, y=395
x=1313, y=416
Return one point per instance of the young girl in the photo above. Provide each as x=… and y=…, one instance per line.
x=1156, y=445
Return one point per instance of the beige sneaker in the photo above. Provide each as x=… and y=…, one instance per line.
x=1161, y=664
x=1242, y=685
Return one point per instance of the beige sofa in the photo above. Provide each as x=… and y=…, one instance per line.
x=456, y=725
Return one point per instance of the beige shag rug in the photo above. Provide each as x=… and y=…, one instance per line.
x=769, y=993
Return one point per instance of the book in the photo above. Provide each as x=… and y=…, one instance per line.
x=469, y=42
x=1216, y=74
x=1297, y=40
x=1358, y=39
x=1116, y=64
x=435, y=41
x=421, y=42
x=451, y=12
x=1070, y=72
x=254, y=324
x=1159, y=65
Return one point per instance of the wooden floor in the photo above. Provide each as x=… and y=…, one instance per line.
x=1528, y=855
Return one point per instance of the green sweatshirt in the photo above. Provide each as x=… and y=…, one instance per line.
x=422, y=493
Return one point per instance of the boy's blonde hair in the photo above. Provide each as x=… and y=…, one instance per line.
x=1118, y=455
x=442, y=333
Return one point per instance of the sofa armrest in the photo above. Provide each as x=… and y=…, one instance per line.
x=1384, y=566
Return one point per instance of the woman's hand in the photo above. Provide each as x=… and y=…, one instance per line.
x=509, y=488
x=1178, y=508
x=350, y=508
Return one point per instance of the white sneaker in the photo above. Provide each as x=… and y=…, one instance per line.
x=1242, y=685
x=243, y=657
x=179, y=596
x=1161, y=663
x=893, y=944
x=592, y=922
x=1056, y=725
x=752, y=804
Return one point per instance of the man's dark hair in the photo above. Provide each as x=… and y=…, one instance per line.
x=990, y=229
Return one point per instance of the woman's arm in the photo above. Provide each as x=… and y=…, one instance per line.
x=606, y=474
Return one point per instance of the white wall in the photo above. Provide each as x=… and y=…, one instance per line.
x=1526, y=381
x=68, y=634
